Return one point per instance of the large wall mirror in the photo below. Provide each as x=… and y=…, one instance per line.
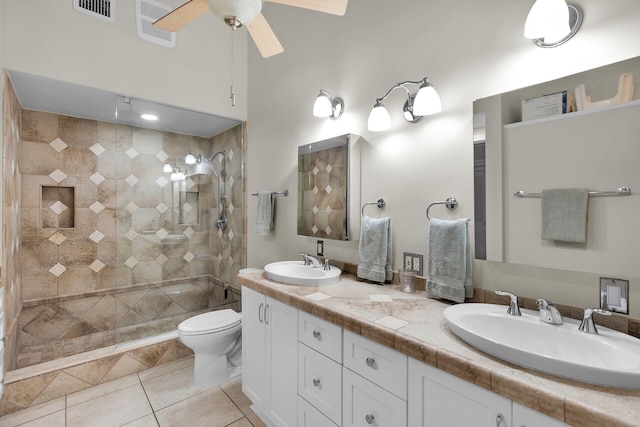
x=329, y=188
x=595, y=148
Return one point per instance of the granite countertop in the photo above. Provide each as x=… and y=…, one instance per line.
x=414, y=325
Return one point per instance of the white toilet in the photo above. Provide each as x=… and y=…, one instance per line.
x=215, y=338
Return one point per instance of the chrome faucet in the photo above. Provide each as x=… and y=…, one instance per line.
x=513, y=310
x=587, y=325
x=549, y=312
x=315, y=262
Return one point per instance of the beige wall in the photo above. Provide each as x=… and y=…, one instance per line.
x=469, y=50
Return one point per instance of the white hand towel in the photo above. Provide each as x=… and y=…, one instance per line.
x=564, y=214
x=264, y=218
x=375, y=250
x=449, y=260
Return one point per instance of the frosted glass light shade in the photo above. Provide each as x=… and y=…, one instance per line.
x=379, y=118
x=322, y=105
x=167, y=168
x=427, y=101
x=547, y=19
x=190, y=159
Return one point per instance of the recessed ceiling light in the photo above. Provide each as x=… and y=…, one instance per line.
x=150, y=117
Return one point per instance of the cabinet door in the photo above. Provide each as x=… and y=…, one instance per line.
x=282, y=362
x=526, y=417
x=437, y=399
x=254, y=339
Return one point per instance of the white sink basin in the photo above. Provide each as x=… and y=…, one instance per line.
x=609, y=358
x=296, y=273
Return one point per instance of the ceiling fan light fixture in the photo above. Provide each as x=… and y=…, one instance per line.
x=243, y=11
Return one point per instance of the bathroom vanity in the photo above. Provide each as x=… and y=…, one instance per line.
x=361, y=354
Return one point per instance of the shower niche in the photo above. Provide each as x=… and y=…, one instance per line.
x=58, y=207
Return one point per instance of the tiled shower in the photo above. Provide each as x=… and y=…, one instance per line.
x=102, y=246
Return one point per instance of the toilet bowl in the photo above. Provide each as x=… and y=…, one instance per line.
x=215, y=338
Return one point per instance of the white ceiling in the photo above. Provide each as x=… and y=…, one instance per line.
x=70, y=99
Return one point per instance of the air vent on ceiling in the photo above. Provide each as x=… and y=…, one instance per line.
x=104, y=9
x=147, y=12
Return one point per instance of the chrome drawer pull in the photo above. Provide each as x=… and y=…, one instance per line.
x=316, y=382
x=369, y=418
x=371, y=362
x=317, y=335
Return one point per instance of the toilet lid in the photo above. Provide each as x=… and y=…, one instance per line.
x=212, y=321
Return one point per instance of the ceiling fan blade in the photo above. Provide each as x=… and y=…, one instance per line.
x=181, y=16
x=264, y=37
x=334, y=7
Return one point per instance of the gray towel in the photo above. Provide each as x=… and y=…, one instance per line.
x=264, y=219
x=449, y=261
x=375, y=250
x=564, y=214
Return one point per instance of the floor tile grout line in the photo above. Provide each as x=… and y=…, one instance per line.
x=144, y=390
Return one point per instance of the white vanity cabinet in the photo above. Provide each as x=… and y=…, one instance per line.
x=270, y=357
x=437, y=398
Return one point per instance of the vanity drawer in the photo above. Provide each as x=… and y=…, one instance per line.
x=320, y=335
x=367, y=404
x=320, y=382
x=377, y=363
x=308, y=416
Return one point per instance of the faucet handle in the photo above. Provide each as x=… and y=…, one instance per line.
x=305, y=257
x=513, y=310
x=326, y=266
x=588, y=325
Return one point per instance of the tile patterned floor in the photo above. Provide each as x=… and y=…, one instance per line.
x=160, y=397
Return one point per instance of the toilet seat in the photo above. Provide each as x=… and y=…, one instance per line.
x=211, y=322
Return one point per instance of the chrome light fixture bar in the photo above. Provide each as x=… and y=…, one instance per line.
x=425, y=102
x=551, y=23
x=326, y=105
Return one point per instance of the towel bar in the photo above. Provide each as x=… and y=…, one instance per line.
x=284, y=193
x=380, y=204
x=622, y=191
x=451, y=203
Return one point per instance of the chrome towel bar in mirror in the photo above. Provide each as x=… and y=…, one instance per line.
x=284, y=193
x=380, y=204
x=622, y=191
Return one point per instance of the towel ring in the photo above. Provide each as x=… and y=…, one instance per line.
x=380, y=204
x=451, y=203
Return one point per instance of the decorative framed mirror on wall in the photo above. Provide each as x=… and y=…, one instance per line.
x=329, y=188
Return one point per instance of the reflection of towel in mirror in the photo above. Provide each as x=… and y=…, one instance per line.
x=375, y=249
x=564, y=214
x=449, y=262
x=264, y=218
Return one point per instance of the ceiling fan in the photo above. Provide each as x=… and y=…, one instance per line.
x=238, y=13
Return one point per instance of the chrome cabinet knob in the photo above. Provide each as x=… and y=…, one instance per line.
x=316, y=382
x=371, y=362
x=370, y=418
x=317, y=335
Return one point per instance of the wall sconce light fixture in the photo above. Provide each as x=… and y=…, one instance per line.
x=328, y=106
x=423, y=103
x=551, y=23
